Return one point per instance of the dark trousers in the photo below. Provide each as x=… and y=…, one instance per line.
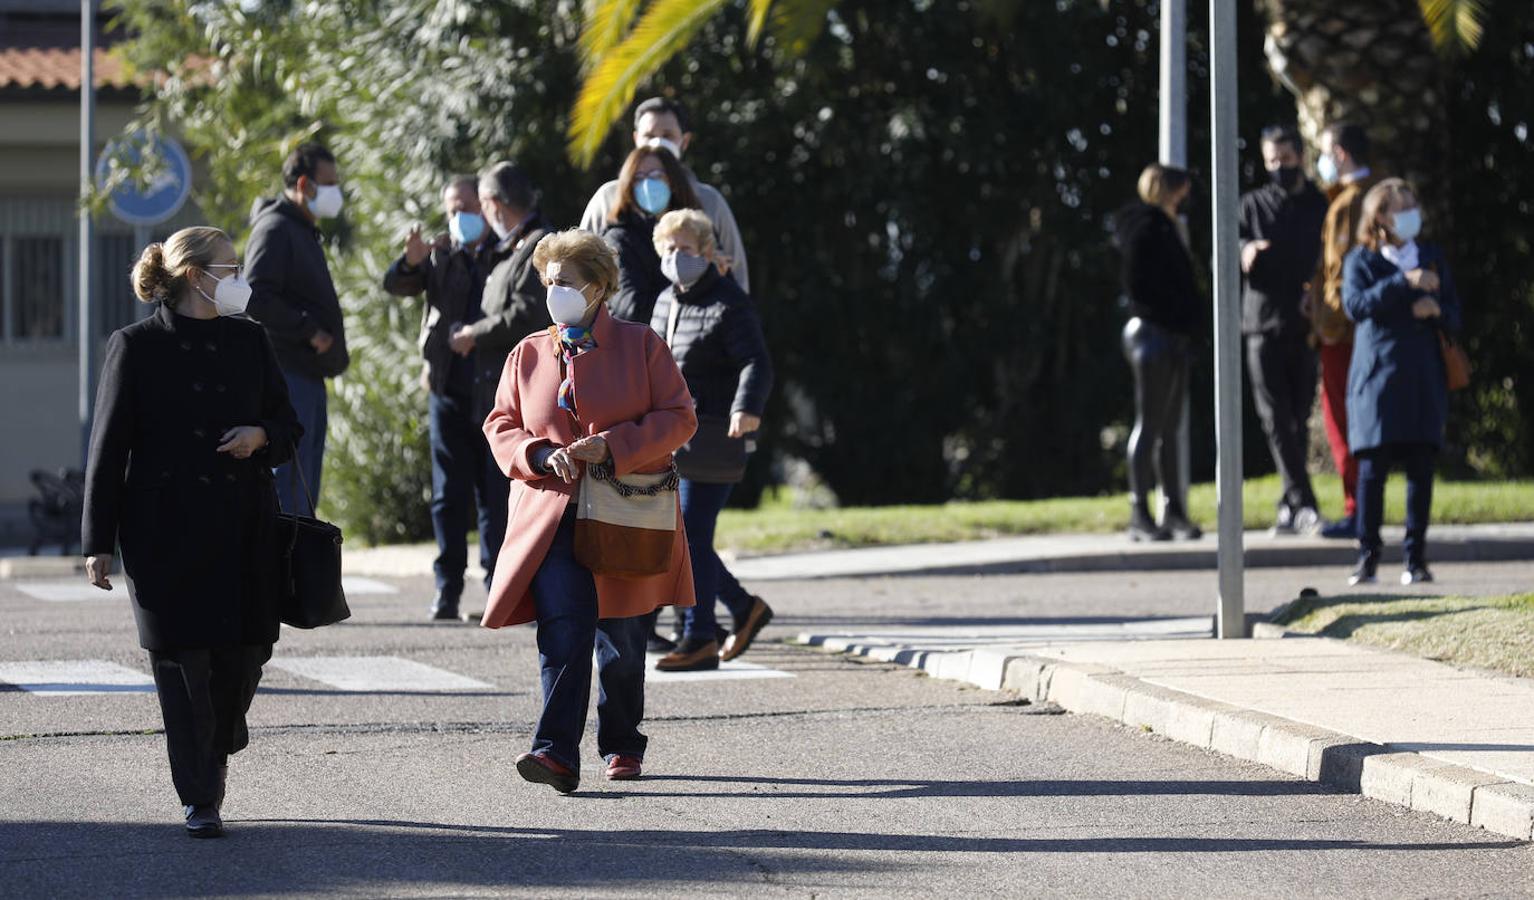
x=308, y=398
x=1373, y=469
x=1283, y=372
x=701, y=505
x=1335, y=361
x=565, y=597
x=464, y=477
x=1159, y=359
x=204, y=695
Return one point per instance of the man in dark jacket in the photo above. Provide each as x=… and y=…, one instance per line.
x=1280, y=243
x=294, y=298
x=512, y=304
x=451, y=271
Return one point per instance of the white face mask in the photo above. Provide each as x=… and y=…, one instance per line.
x=567, y=305
x=495, y=225
x=232, y=295
x=327, y=201
x=667, y=144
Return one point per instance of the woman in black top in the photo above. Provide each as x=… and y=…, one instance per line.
x=716, y=338
x=191, y=416
x=651, y=183
x=1158, y=279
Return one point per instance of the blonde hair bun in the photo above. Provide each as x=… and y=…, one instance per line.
x=159, y=276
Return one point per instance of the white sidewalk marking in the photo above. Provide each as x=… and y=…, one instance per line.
x=70, y=677
x=376, y=673
x=67, y=591
x=729, y=671
x=355, y=585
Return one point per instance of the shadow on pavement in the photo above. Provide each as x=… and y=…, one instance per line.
x=895, y=788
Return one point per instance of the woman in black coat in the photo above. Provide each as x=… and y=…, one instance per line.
x=1158, y=342
x=1402, y=297
x=191, y=416
x=715, y=336
x=651, y=183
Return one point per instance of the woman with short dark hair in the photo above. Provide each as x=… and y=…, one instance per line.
x=1400, y=295
x=191, y=416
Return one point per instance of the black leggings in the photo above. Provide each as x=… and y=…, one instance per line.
x=1160, y=360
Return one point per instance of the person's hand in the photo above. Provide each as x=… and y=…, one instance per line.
x=1426, y=308
x=322, y=341
x=563, y=465
x=723, y=263
x=743, y=423
x=1249, y=252
x=96, y=569
x=416, y=250
x=590, y=449
x=243, y=440
x=1422, y=279
x=462, y=341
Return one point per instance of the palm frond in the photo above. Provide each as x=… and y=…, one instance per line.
x=796, y=23
x=666, y=27
x=1456, y=25
x=756, y=21
x=607, y=23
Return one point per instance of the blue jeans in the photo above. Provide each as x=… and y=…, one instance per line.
x=308, y=398
x=463, y=471
x=701, y=505
x=1373, y=469
x=565, y=597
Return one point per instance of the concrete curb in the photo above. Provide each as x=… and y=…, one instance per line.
x=1337, y=760
x=19, y=567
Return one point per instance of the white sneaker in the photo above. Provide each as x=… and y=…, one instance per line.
x=1308, y=521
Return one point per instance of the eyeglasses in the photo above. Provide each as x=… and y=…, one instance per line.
x=239, y=268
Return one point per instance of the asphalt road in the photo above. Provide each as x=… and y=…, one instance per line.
x=845, y=778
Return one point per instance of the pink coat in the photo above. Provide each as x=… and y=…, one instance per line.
x=630, y=391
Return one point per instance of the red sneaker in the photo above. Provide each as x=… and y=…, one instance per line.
x=542, y=769
x=623, y=768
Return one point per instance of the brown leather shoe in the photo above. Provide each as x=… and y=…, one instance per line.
x=541, y=769
x=746, y=632
x=692, y=655
x=623, y=767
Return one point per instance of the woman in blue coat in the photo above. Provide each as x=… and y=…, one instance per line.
x=1401, y=295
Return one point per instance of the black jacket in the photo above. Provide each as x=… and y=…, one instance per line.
x=718, y=345
x=639, y=277
x=514, y=307
x=1275, y=286
x=454, y=281
x=292, y=294
x=196, y=526
x=1157, y=272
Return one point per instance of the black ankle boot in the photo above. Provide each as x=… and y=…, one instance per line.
x=1144, y=528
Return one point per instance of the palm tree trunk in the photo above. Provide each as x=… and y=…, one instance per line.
x=1370, y=62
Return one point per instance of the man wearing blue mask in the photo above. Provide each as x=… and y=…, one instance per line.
x=1280, y=245
x=663, y=122
x=451, y=271
x=294, y=299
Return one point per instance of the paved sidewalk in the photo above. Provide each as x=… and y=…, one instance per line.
x=1394, y=727
x=1043, y=553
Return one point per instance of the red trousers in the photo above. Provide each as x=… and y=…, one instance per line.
x=1334, y=409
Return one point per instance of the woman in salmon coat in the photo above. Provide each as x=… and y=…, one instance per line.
x=592, y=389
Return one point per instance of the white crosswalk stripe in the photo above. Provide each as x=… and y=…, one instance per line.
x=73, y=591
x=73, y=677
x=356, y=585
x=365, y=674
x=734, y=670
x=913, y=644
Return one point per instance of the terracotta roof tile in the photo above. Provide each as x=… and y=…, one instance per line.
x=57, y=68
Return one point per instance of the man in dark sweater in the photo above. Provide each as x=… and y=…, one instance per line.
x=1280, y=244
x=451, y=271
x=294, y=298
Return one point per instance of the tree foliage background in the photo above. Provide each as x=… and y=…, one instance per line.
x=924, y=194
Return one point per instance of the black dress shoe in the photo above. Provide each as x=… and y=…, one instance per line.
x=1416, y=573
x=657, y=644
x=204, y=822
x=1181, y=528
x=1341, y=530
x=444, y=608
x=1366, y=572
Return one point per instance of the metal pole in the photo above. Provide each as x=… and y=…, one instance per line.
x=1223, y=134
x=84, y=285
x=1173, y=151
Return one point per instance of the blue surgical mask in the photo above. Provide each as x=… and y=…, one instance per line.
x=1326, y=169
x=1407, y=224
x=466, y=227
x=653, y=195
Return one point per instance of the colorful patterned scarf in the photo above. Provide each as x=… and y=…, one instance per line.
x=573, y=341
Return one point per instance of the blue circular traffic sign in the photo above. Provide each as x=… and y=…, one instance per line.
x=167, y=189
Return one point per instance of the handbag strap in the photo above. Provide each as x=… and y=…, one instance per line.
x=298, y=467
x=672, y=315
x=604, y=472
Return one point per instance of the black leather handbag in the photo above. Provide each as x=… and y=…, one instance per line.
x=712, y=456
x=309, y=567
